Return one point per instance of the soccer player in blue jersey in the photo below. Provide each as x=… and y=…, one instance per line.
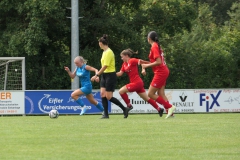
x=83, y=72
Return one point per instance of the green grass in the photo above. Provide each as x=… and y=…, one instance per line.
x=140, y=137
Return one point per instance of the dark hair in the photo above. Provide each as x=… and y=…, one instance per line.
x=104, y=39
x=128, y=52
x=154, y=37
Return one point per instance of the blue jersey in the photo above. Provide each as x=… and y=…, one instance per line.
x=84, y=76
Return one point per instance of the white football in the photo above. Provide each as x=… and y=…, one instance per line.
x=53, y=114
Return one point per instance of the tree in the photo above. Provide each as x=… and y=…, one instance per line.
x=203, y=58
x=219, y=9
x=188, y=33
x=36, y=30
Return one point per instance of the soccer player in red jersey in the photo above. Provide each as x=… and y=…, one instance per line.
x=130, y=67
x=161, y=73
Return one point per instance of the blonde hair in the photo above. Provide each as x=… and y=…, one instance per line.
x=80, y=58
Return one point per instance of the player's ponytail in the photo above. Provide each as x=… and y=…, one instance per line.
x=104, y=39
x=82, y=59
x=128, y=52
x=154, y=37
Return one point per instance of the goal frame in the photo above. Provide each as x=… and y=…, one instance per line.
x=13, y=59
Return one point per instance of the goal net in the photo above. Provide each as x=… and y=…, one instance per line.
x=12, y=73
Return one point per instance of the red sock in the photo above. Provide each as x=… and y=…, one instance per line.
x=125, y=98
x=165, y=104
x=154, y=104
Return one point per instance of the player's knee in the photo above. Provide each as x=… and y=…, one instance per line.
x=74, y=96
x=120, y=91
x=161, y=94
x=103, y=94
x=150, y=95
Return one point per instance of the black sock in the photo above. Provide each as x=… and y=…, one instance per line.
x=105, y=106
x=117, y=102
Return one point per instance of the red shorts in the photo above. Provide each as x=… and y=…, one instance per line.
x=159, y=79
x=136, y=87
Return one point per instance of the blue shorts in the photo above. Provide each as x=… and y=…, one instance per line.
x=86, y=89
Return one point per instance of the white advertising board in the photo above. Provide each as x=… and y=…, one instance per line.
x=182, y=99
x=188, y=101
x=139, y=105
x=12, y=102
x=214, y=100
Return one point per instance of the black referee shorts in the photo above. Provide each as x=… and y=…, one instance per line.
x=108, y=81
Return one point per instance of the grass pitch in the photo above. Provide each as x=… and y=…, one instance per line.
x=140, y=137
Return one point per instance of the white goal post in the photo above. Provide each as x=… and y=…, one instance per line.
x=12, y=73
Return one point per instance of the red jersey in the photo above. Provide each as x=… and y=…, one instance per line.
x=131, y=69
x=155, y=53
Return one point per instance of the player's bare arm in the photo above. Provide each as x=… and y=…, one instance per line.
x=90, y=68
x=144, y=72
x=102, y=70
x=143, y=62
x=119, y=74
x=71, y=74
x=96, y=77
x=155, y=63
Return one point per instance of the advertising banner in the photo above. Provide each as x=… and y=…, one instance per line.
x=41, y=102
x=12, y=102
x=139, y=105
x=185, y=100
x=213, y=100
x=182, y=99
